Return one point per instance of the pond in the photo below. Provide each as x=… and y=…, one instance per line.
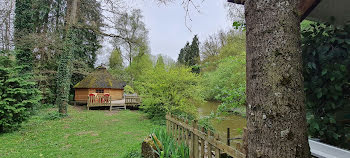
x=222, y=123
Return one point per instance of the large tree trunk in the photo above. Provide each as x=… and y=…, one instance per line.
x=275, y=98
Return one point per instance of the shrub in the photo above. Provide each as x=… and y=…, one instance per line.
x=18, y=96
x=128, y=90
x=227, y=83
x=326, y=54
x=169, y=91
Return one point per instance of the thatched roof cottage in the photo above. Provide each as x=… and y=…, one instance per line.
x=99, y=82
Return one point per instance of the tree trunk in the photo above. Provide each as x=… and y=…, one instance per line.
x=275, y=97
x=64, y=72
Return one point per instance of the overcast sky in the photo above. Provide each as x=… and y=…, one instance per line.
x=167, y=29
x=168, y=32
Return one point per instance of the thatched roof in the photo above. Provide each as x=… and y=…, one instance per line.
x=100, y=78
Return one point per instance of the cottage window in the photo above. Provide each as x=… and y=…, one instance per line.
x=99, y=90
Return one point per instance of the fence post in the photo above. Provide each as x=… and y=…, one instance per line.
x=195, y=140
x=186, y=134
x=209, y=145
x=177, y=131
x=228, y=136
x=182, y=131
x=171, y=127
x=192, y=141
x=202, y=144
x=217, y=150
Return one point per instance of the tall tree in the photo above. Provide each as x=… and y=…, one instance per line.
x=64, y=72
x=24, y=24
x=275, y=98
x=6, y=25
x=192, y=56
x=131, y=27
x=189, y=55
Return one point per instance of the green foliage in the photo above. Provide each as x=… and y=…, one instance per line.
x=205, y=123
x=160, y=63
x=220, y=46
x=238, y=25
x=168, y=91
x=306, y=24
x=53, y=116
x=133, y=154
x=116, y=60
x=235, y=46
x=139, y=66
x=128, y=90
x=171, y=148
x=226, y=83
x=18, y=97
x=326, y=54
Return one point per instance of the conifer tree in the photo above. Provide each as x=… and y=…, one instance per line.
x=24, y=25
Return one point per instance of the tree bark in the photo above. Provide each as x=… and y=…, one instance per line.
x=275, y=97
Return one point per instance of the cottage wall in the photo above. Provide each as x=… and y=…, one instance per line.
x=81, y=95
x=116, y=94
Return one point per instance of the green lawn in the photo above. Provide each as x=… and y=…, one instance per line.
x=82, y=134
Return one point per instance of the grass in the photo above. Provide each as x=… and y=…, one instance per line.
x=82, y=134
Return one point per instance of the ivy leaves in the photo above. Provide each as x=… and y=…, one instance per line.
x=326, y=53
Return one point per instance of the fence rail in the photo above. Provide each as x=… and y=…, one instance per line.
x=132, y=100
x=95, y=101
x=202, y=144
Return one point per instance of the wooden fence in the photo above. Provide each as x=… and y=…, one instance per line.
x=132, y=100
x=95, y=101
x=201, y=143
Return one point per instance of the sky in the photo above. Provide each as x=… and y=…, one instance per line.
x=168, y=31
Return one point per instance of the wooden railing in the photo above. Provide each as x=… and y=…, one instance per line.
x=132, y=100
x=202, y=144
x=94, y=101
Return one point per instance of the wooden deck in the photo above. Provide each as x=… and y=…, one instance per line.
x=102, y=101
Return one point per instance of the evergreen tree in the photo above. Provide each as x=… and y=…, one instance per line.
x=18, y=98
x=24, y=25
x=189, y=55
x=183, y=56
x=180, y=59
x=192, y=56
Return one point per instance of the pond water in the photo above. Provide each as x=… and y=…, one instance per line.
x=222, y=123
